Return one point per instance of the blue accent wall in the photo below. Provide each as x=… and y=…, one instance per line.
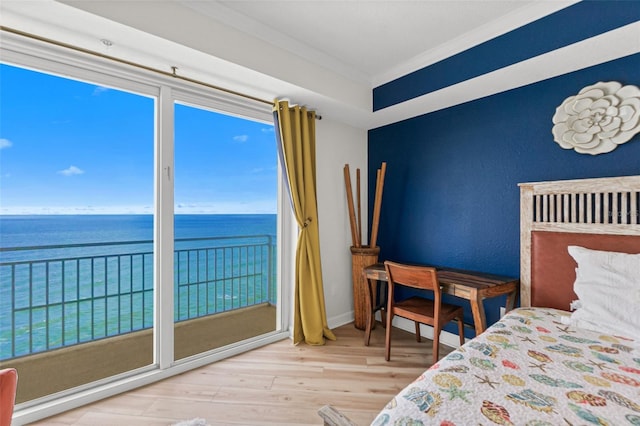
x=567, y=26
x=451, y=196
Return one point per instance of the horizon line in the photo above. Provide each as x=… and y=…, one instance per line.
x=135, y=214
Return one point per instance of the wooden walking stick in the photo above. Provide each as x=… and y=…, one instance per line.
x=359, y=223
x=352, y=216
x=377, y=203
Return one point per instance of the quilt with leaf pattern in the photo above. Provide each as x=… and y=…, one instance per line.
x=530, y=368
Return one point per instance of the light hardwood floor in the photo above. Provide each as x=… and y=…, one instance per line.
x=279, y=384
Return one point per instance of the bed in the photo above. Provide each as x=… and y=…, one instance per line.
x=544, y=363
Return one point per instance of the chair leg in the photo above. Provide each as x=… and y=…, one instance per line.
x=436, y=342
x=384, y=305
x=418, y=337
x=387, y=340
x=461, y=331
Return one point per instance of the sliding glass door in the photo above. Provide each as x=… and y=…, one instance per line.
x=225, y=229
x=138, y=226
x=76, y=231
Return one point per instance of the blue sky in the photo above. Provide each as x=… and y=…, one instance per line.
x=68, y=147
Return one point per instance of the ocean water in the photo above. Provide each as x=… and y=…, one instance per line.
x=54, y=293
x=41, y=230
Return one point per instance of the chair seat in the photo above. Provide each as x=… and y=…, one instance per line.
x=414, y=306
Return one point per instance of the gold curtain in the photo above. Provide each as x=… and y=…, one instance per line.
x=296, y=133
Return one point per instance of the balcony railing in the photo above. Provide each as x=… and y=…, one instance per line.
x=56, y=296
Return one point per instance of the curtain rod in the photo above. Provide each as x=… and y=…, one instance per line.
x=173, y=72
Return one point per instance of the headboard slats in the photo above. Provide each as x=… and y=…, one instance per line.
x=633, y=211
x=580, y=200
x=624, y=209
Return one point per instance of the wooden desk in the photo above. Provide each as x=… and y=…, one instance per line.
x=473, y=286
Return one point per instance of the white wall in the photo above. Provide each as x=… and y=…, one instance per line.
x=338, y=144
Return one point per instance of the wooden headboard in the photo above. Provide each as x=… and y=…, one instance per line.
x=600, y=213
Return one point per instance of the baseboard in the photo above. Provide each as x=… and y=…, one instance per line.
x=342, y=319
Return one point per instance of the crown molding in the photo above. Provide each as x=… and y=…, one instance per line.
x=231, y=18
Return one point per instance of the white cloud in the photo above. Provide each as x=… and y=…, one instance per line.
x=99, y=90
x=267, y=206
x=76, y=209
x=267, y=129
x=258, y=206
x=5, y=143
x=241, y=138
x=72, y=170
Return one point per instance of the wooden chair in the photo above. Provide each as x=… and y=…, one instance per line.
x=8, y=384
x=418, y=309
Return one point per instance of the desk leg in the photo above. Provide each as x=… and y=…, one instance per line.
x=369, y=319
x=477, y=308
x=511, y=300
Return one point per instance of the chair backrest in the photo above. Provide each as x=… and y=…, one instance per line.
x=421, y=277
x=8, y=385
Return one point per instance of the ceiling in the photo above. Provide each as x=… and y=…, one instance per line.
x=372, y=40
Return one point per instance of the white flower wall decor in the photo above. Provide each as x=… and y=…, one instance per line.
x=598, y=119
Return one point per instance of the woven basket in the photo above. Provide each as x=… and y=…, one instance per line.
x=360, y=258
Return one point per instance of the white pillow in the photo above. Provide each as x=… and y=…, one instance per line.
x=608, y=287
